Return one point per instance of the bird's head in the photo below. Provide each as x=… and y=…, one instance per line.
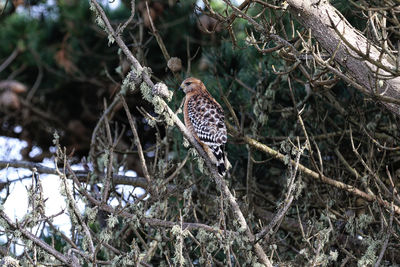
x=190, y=84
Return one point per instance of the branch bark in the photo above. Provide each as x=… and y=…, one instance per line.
x=364, y=61
x=82, y=175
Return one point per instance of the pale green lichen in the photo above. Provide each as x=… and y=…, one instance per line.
x=363, y=221
x=333, y=255
x=160, y=108
x=137, y=212
x=176, y=230
x=262, y=118
x=62, y=190
x=9, y=261
x=161, y=165
x=29, y=244
x=300, y=185
x=116, y=261
x=111, y=39
x=200, y=161
x=102, y=161
x=146, y=92
x=56, y=138
x=249, y=257
x=168, y=119
x=105, y=235
x=156, y=209
x=211, y=241
x=242, y=229
x=200, y=164
x=112, y=221
x=151, y=122
x=170, y=95
x=369, y=258
x=270, y=95
x=92, y=7
x=250, y=40
x=135, y=77
x=84, y=244
x=119, y=71
x=180, y=234
x=186, y=143
x=286, y=159
x=211, y=246
x=187, y=194
x=127, y=262
x=285, y=146
x=99, y=21
x=158, y=104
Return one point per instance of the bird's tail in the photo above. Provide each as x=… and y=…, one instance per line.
x=218, y=152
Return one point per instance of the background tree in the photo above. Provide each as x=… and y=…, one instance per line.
x=311, y=96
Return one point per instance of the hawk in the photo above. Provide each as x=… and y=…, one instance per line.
x=204, y=118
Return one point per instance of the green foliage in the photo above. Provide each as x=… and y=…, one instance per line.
x=56, y=240
x=81, y=66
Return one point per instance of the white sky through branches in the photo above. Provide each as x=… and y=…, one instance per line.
x=16, y=205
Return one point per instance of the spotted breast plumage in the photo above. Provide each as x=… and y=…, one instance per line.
x=204, y=119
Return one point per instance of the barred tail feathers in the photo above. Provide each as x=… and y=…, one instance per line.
x=218, y=153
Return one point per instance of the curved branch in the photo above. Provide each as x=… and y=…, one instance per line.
x=336, y=35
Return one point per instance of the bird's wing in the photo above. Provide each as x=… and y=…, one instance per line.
x=207, y=118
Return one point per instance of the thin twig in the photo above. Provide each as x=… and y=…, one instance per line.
x=266, y=231
x=386, y=241
x=43, y=245
x=110, y=151
x=72, y=204
x=310, y=173
x=81, y=175
x=129, y=20
x=137, y=141
x=10, y=59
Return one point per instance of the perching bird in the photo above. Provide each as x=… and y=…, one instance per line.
x=204, y=119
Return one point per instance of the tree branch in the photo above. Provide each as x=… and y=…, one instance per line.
x=312, y=174
x=61, y=257
x=82, y=175
x=330, y=29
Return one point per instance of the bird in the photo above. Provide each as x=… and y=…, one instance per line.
x=204, y=118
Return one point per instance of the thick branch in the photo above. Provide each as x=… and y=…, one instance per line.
x=330, y=29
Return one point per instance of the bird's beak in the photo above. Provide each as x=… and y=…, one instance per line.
x=180, y=88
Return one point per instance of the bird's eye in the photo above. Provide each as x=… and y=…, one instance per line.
x=188, y=83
